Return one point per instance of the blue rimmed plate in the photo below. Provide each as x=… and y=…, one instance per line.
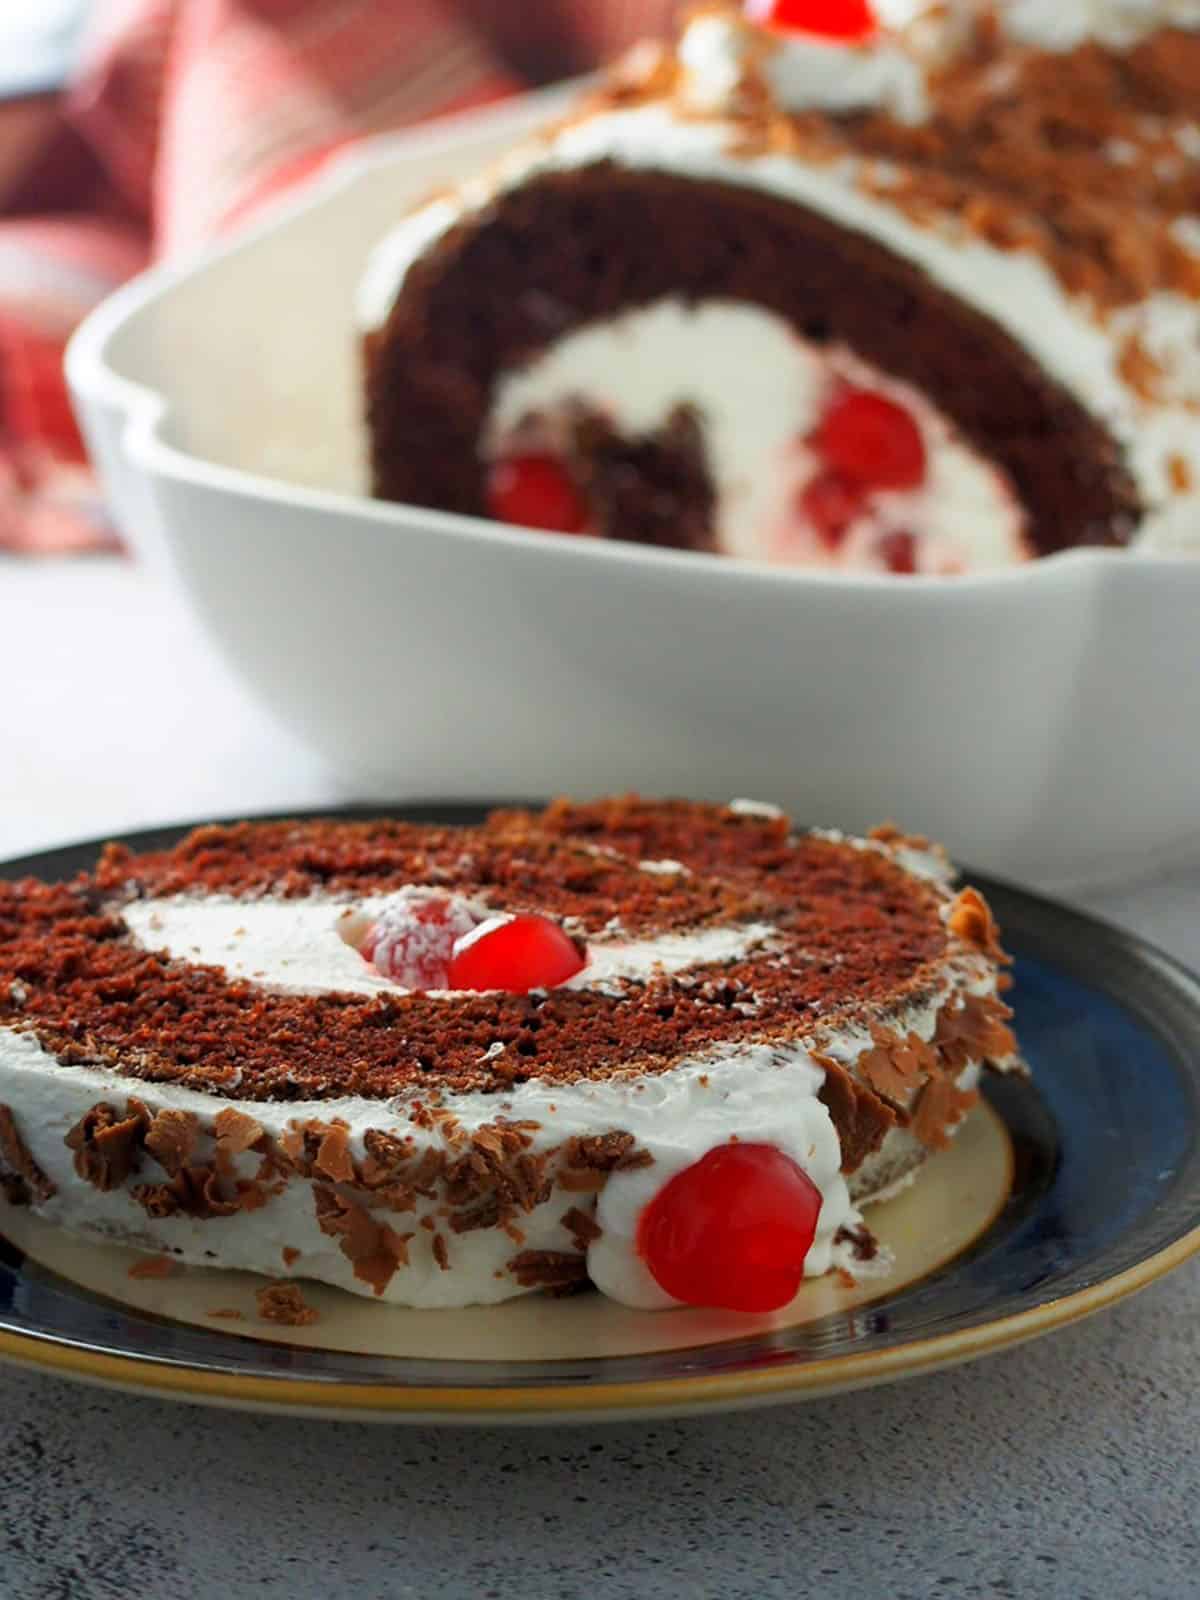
x=1059, y=1198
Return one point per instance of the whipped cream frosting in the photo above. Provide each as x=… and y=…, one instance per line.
x=803, y=71
x=1062, y=25
x=1017, y=289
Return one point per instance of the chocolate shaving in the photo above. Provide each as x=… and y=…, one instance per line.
x=171, y=1139
x=22, y=1180
x=107, y=1145
x=548, y=1269
x=333, y=1159
x=599, y=1153
x=387, y=1155
x=896, y=1068
x=861, y=1118
x=583, y=1228
x=236, y=1132
x=316, y=1148
x=971, y=920
x=862, y=1241
x=373, y=1248
x=941, y=1108
x=974, y=1030
x=887, y=833
x=590, y=1182
x=495, y=1179
x=192, y=1192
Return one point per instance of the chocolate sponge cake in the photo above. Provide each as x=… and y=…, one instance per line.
x=921, y=298
x=445, y=1066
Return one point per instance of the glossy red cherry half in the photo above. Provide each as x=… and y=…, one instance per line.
x=517, y=954
x=834, y=19
x=732, y=1230
x=535, y=492
x=871, y=440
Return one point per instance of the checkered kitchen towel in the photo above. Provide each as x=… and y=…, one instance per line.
x=184, y=117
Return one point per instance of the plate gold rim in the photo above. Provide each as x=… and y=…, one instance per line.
x=798, y=1380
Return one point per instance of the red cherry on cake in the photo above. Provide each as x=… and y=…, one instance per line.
x=732, y=1230
x=871, y=440
x=834, y=19
x=535, y=492
x=517, y=953
x=899, y=551
x=830, y=503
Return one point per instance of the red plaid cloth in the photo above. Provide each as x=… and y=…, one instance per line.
x=189, y=114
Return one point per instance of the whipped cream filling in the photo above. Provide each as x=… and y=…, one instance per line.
x=640, y=368
x=1016, y=289
x=300, y=946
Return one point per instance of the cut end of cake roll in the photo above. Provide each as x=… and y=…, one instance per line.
x=922, y=301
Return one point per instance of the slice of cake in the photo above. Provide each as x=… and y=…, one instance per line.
x=808, y=288
x=669, y=1049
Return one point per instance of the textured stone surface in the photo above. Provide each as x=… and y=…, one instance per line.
x=1068, y=1469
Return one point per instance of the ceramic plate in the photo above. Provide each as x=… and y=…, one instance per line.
x=1059, y=1197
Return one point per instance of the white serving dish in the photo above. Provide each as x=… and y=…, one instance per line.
x=1045, y=722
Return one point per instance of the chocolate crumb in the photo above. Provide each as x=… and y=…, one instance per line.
x=284, y=1303
x=861, y=1240
x=154, y=1267
x=548, y=1269
x=583, y=1228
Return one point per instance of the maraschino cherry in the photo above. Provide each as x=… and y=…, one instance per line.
x=870, y=439
x=732, y=1230
x=833, y=19
x=533, y=491
x=516, y=953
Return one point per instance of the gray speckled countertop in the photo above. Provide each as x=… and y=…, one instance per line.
x=1068, y=1468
